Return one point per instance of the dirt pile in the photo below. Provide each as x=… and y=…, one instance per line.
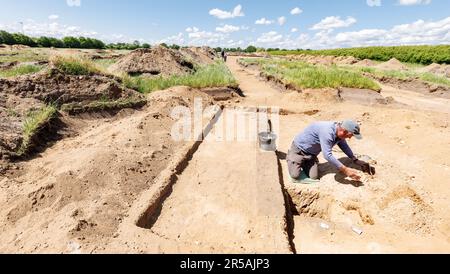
x=365, y=63
x=13, y=111
x=437, y=69
x=157, y=61
x=345, y=60
x=324, y=59
x=392, y=64
x=200, y=55
x=56, y=87
x=24, y=94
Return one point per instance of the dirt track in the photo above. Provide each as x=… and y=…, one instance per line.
x=228, y=198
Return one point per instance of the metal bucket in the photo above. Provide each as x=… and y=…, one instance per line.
x=268, y=141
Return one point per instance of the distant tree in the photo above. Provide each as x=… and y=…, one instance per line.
x=146, y=46
x=250, y=49
x=7, y=38
x=97, y=44
x=86, y=43
x=164, y=45
x=175, y=47
x=22, y=39
x=44, y=42
x=72, y=42
x=56, y=43
x=218, y=49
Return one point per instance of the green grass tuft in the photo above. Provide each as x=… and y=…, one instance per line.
x=76, y=65
x=20, y=70
x=303, y=75
x=33, y=123
x=403, y=75
x=215, y=75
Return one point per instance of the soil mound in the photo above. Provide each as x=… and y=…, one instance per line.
x=56, y=87
x=437, y=69
x=366, y=63
x=25, y=94
x=157, y=61
x=392, y=64
x=345, y=60
x=200, y=55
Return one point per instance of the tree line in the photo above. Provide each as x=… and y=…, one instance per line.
x=66, y=42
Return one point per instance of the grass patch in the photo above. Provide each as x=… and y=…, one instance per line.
x=403, y=75
x=76, y=65
x=215, y=75
x=25, y=55
x=33, y=123
x=20, y=70
x=435, y=79
x=104, y=64
x=103, y=105
x=303, y=75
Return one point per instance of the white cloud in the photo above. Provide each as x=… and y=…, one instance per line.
x=296, y=11
x=73, y=3
x=53, y=29
x=237, y=12
x=175, y=39
x=415, y=33
x=228, y=29
x=374, y=3
x=413, y=2
x=202, y=38
x=333, y=22
x=294, y=29
x=269, y=38
x=263, y=21
x=192, y=29
x=53, y=17
x=282, y=20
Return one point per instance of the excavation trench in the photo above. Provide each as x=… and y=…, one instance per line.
x=224, y=197
x=150, y=216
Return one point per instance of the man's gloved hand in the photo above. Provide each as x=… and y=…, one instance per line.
x=365, y=167
x=352, y=173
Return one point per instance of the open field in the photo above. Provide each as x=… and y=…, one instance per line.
x=91, y=159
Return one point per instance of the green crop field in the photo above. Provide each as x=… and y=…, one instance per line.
x=411, y=54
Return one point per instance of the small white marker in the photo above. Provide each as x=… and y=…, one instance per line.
x=357, y=230
x=324, y=226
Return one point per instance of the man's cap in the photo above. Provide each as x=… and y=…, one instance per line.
x=353, y=127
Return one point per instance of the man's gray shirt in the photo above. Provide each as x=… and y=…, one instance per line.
x=322, y=136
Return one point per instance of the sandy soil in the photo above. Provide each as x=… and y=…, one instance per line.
x=90, y=193
x=81, y=189
x=406, y=201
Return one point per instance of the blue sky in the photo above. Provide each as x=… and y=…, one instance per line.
x=314, y=24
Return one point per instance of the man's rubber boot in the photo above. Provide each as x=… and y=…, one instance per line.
x=304, y=179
